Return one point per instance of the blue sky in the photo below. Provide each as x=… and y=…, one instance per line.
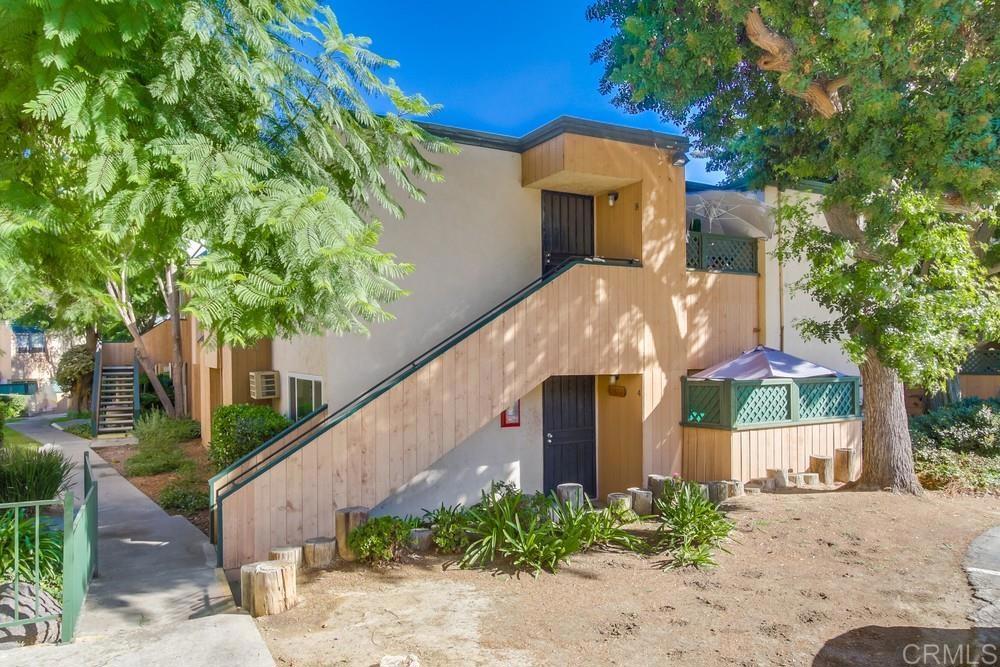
x=503, y=67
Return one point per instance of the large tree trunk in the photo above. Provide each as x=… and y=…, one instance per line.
x=173, y=299
x=887, y=455
x=119, y=292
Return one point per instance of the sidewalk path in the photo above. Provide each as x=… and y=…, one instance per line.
x=153, y=569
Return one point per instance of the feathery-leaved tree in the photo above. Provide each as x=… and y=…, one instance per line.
x=896, y=105
x=223, y=148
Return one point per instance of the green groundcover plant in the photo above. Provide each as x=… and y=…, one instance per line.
x=28, y=474
x=17, y=533
x=957, y=447
x=159, y=447
x=381, y=540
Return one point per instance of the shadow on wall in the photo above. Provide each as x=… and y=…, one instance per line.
x=911, y=646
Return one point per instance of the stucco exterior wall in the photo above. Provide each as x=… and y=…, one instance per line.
x=797, y=304
x=491, y=454
x=474, y=242
x=6, y=351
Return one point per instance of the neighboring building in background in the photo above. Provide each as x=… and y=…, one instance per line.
x=28, y=360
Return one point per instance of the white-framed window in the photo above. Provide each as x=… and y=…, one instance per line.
x=305, y=394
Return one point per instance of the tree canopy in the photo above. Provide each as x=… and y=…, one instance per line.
x=894, y=106
x=230, y=140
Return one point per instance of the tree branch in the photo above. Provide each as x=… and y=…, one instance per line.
x=821, y=95
x=845, y=223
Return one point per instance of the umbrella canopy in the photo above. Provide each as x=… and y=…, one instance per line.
x=763, y=363
x=731, y=213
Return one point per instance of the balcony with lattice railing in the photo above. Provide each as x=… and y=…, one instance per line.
x=749, y=404
x=721, y=253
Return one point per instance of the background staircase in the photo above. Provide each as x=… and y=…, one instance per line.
x=116, y=412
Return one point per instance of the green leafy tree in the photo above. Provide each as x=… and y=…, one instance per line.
x=225, y=149
x=74, y=371
x=894, y=105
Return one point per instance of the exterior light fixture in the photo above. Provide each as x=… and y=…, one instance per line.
x=680, y=160
x=612, y=198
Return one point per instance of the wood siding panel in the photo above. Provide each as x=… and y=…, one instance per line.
x=983, y=386
x=721, y=317
x=716, y=454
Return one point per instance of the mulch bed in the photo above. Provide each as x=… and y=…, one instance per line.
x=153, y=485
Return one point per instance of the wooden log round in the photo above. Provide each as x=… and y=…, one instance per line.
x=810, y=479
x=570, y=494
x=421, y=539
x=844, y=464
x=736, y=488
x=620, y=501
x=347, y=519
x=642, y=501
x=286, y=553
x=656, y=484
x=319, y=551
x=704, y=490
x=796, y=478
x=823, y=466
x=780, y=477
x=752, y=490
x=268, y=588
x=718, y=492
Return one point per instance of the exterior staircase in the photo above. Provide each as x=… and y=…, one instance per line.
x=576, y=320
x=116, y=409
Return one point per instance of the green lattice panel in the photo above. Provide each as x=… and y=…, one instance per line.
x=704, y=404
x=982, y=362
x=693, y=250
x=730, y=254
x=823, y=400
x=763, y=404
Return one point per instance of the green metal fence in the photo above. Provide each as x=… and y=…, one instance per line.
x=744, y=404
x=982, y=362
x=721, y=253
x=28, y=529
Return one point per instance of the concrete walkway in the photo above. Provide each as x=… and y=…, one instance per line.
x=982, y=567
x=153, y=570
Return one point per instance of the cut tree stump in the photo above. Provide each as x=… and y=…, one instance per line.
x=622, y=501
x=780, y=477
x=642, y=501
x=796, y=478
x=810, y=479
x=290, y=554
x=823, y=466
x=420, y=539
x=268, y=588
x=656, y=484
x=844, y=464
x=704, y=490
x=570, y=494
x=736, y=488
x=718, y=492
x=346, y=520
x=319, y=551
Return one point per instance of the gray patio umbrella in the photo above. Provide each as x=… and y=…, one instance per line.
x=731, y=213
x=764, y=363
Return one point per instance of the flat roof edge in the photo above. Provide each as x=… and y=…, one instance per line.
x=554, y=128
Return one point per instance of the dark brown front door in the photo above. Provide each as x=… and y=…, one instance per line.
x=567, y=228
x=569, y=432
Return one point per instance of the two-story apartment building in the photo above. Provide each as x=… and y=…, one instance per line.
x=558, y=299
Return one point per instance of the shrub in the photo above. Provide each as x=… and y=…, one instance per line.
x=237, y=430
x=157, y=428
x=13, y=406
x=50, y=550
x=450, y=526
x=29, y=474
x=691, y=526
x=159, y=439
x=538, y=532
x=382, y=539
x=80, y=430
x=148, y=400
x=947, y=470
x=971, y=425
x=184, y=497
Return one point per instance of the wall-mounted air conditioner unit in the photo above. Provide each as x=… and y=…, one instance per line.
x=263, y=384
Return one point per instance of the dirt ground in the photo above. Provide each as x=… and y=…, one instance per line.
x=832, y=578
x=152, y=485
